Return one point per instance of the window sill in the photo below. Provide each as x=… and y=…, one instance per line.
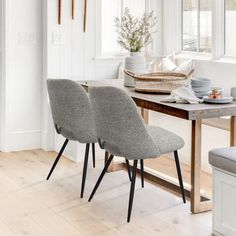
x=110, y=57
x=205, y=57
x=195, y=56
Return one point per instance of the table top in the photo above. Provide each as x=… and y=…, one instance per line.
x=152, y=102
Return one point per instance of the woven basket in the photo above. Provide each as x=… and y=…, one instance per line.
x=160, y=82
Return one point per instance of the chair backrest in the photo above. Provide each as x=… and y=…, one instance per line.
x=119, y=125
x=71, y=110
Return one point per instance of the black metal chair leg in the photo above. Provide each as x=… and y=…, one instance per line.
x=142, y=172
x=93, y=151
x=57, y=158
x=132, y=188
x=101, y=177
x=85, y=169
x=179, y=175
x=128, y=168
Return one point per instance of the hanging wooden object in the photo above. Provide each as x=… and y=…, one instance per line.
x=73, y=9
x=59, y=12
x=85, y=14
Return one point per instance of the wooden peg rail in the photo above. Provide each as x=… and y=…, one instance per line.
x=73, y=9
x=85, y=15
x=59, y=12
x=73, y=12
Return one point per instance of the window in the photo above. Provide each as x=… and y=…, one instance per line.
x=110, y=10
x=196, y=25
x=230, y=28
x=200, y=26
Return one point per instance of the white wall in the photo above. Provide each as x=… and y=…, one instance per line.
x=1, y=66
x=22, y=82
x=222, y=73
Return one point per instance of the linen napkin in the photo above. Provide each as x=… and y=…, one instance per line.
x=182, y=95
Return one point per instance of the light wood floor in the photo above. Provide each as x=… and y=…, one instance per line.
x=167, y=166
x=29, y=205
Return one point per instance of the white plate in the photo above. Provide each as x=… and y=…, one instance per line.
x=224, y=100
x=202, y=89
x=196, y=82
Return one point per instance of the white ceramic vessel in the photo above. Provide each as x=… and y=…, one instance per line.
x=135, y=63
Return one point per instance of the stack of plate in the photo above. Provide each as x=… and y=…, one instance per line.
x=201, y=86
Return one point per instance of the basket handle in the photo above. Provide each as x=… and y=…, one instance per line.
x=190, y=73
x=130, y=73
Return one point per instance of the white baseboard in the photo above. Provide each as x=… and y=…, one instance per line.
x=23, y=140
x=48, y=141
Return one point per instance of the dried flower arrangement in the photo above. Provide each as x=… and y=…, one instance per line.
x=134, y=33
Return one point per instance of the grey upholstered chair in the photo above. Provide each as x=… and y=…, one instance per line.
x=72, y=116
x=122, y=132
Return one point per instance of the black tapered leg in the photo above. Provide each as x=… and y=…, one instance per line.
x=142, y=173
x=108, y=162
x=58, y=158
x=132, y=188
x=86, y=156
x=128, y=168
x=179, y=175
x=93, y=151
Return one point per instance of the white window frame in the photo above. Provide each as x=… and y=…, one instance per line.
x=172, y=31
x=98, y=37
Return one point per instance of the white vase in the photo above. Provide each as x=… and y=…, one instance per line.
x=135, y=63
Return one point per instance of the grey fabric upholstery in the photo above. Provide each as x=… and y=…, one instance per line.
x=224, y=158
x=121, y=129
x=164, y=139
x=71, y=110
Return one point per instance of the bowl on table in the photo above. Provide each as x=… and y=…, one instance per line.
x=201, y=86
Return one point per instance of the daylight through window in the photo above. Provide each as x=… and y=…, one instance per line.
x=196, y=25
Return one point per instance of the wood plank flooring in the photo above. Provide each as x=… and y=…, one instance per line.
x=167, y=166
x=30, y=205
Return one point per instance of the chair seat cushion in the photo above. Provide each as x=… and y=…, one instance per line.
x=224, y=158
x=165, y=140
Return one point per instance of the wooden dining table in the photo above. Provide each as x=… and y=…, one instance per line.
x=194, y=113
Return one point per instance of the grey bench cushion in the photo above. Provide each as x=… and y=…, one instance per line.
x=224, y=158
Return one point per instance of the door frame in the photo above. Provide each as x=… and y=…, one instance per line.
x=4, y=6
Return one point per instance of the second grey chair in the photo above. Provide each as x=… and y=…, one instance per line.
x=122, y=132
x=72, y=116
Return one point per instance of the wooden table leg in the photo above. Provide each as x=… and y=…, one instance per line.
x=233, y=131
x=114, y=166
x=196, y=166
x=197, y=205
x=145, y=114
x=106, y=157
